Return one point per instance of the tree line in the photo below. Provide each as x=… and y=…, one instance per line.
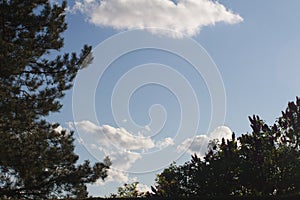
x=265, y=162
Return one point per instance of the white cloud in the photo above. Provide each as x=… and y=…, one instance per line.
x=199, y=143
x=143, y=188
x=123, y=147
x=147, y=128
x=119, y=137
x=124, y=159
x=186, y=17
x=121, y=161
x=114, y=175
x=164, y=143
x=221, y=132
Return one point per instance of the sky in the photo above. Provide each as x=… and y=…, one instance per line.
x=169, y=76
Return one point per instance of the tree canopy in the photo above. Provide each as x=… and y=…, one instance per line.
x=129, y=190
x=36, y=159
x=263, y=162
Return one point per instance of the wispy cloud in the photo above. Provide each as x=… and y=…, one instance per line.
x=186, y=17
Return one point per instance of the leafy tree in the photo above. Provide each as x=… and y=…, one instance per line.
x=37, y=160
x=263, y=162
x=170, y=182
x=259, y=157
x=287, y=129
x=129, y=190
x=222, y=169
x=213, y=175
x=289, y=125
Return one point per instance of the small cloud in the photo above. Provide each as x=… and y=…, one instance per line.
x=221, y=132
x=117, y=143
x=114, y=175
x=164, y=143
x=186, y=17
x=124, y=159
x=107, y=135
x=199, y=143
x=147, y=128
x=143, y=188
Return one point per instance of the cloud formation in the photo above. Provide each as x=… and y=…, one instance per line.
x=107, y=135
x=124, y=159
x=185, y=17
x=164, y=143
x=143, y=188
x=123, y=148
x=199, y=143
x=114, y=175
x=121, y=161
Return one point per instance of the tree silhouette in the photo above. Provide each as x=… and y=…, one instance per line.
x=287, y=130
x=129, y=190
x=263, y=162
x=36, y=159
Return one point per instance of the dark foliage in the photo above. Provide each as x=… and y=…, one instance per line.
x=36, y=160
x=265, y=162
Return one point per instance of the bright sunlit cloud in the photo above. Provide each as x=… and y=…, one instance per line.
x=185, y=17
x=123, y=147
x=105, y=136
x=164, y=143
x=199, y=143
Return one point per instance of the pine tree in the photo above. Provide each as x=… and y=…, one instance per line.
x=37, y=160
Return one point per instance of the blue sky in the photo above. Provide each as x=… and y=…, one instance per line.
x=254, y=45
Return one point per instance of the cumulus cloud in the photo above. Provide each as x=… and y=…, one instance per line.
x=199, y=143
x=186, y=17
x=124, y=159
x=121, y=161
x=114, y=175
x=107, y=135
x=123, y=147
x=147, y=128
x=164, y=143
x=143, y=188
x=221, y=132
